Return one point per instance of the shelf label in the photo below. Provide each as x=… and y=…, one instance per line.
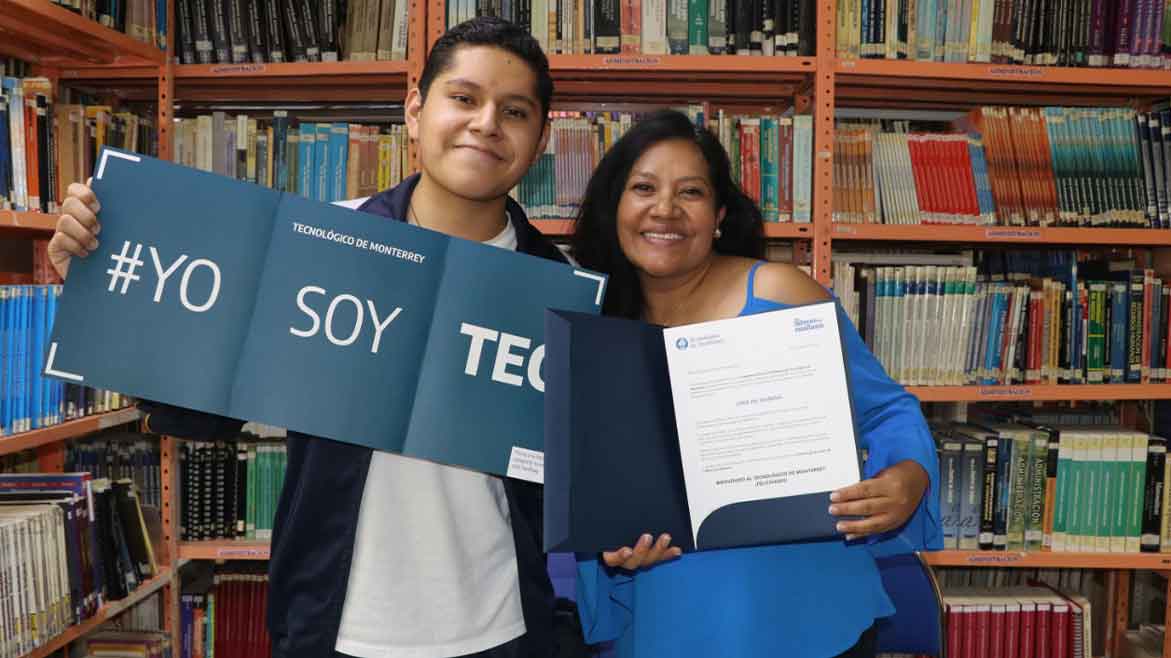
x=1012, y=233
x=1004, y=391
x=838, y=228
x=632, y=60
x=995, y=557
x=241, y=553
x=238, y=69
x=1022, y=72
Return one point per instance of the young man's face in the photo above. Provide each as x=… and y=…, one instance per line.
x=481, y=126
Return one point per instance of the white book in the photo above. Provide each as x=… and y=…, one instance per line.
x=402, y=30
x=654, y=27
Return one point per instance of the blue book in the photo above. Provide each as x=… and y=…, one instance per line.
x=280, y=132
x=36, y=304
x=322, y=180
x=6, y=401
x=292, y=322
x=950, y=474
x=5, y=154
x=339, y=156
x=22, y=351
x=1119, y=313
x=305, y=156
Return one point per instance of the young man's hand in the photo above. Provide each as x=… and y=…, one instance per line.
x=646, y=552
x=77, y=228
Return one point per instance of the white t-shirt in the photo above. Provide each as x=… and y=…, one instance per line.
x=434, y=570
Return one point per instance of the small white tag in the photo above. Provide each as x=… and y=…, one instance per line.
x=527, y=464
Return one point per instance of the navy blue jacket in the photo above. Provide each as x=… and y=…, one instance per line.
x=317, y=516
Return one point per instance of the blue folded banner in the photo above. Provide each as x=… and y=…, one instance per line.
x=234, y=299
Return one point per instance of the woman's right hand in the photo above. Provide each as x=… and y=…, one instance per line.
x=645, y=553
x=77, y=228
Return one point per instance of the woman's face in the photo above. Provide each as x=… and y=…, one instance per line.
x=667, y=214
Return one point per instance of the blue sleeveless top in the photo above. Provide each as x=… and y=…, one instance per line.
x=811, y=600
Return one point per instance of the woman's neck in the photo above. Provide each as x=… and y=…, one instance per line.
x=435, y=208
x=675, y=300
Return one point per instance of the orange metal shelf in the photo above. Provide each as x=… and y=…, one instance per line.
x=225, y=549
x=68, y=430
x=20, y=221
x=317, y=81
x=41, y=32
x=379, y=81
x=911, y=83
x=1041, y=392
x=679, y=77
x=561, y=228
x=1043, y=560
x=1002, y=234
x=108, y=611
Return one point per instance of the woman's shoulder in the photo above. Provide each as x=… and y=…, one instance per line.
x=786, y=284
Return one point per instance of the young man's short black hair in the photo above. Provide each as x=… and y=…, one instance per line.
x=490, y=31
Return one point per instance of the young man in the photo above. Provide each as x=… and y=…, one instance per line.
x=375, y=555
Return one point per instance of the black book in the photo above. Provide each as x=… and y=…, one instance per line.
x=607, y=26
x=327, y=30
x=296, y=38
x=744, y=26
x=270, y=14
x=1153, y=495
x=201, y=31
x=806, y=28
x=308, y=22
x=237, y=22
x=257, y=32
x=186, y=32
x=218, y=26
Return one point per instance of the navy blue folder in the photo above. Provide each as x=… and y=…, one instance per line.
x=611, y=450
x=612, y=465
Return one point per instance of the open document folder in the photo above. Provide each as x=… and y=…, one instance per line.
x=726, y=433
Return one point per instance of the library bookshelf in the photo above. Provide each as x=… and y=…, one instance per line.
x=72, y=51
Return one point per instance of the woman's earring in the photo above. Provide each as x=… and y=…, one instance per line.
x=717, y=233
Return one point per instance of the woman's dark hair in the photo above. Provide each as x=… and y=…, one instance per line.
x=595, y=238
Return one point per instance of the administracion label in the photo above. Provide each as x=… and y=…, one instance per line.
x=525, y=464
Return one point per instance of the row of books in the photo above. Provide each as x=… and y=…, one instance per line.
x=771, y=158
x=116, y=455
x=1124, y=33
x=226, y=621
x=677, y=27
x=324, y=161
x=45, y=146
x=1018, y=622
x=260, y=31
x=230, y=489
x=68, y=544
x=28, y=399
x=1008, y=166
x=126, y=644
x=144, y=20
x=950, y=323
x=1025, y=486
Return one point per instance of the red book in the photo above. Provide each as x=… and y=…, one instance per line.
x=1041, y=628
x=955, y=626
x=980, y=619
x=1059, y=630
x=1012, y=625
x=1028, y=622
x=996, y=617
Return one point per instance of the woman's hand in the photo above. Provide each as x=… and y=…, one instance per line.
x=645, y=553
x=886, y=501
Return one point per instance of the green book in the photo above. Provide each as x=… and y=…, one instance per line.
x=697, y=22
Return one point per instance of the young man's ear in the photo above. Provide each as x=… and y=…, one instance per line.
x=546, y=130
x=412, y=108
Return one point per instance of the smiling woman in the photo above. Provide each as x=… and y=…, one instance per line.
x=682, y=244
